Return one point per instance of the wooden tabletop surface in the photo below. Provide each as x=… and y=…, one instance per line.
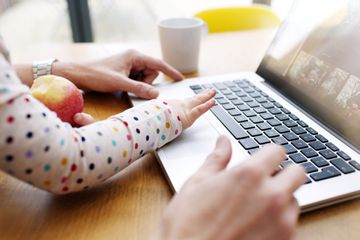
x=129, y=205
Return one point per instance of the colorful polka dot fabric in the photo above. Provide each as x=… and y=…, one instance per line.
x=36, y=147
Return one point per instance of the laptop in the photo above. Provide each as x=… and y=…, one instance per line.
x=305, y=96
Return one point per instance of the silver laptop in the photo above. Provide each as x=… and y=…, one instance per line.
x=305, y=96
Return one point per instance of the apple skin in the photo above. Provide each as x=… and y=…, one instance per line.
x=59, y=95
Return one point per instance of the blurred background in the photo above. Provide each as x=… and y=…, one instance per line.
x=24, y=23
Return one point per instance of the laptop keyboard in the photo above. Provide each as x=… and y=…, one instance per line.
x=255, y=119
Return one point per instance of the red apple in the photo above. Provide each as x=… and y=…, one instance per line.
x=59, y=95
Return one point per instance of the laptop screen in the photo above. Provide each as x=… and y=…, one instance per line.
x=315, y=61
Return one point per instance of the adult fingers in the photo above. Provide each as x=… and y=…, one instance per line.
x=290, y=179
x=289, y=220
x=150, y=76
x=201, y=98
x=159, y=65
x=267, y=159
x=219, y=158
x=83, y=119
x=199, y=110
x=140, y=89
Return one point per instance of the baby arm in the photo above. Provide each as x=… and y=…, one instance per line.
x=38, y=148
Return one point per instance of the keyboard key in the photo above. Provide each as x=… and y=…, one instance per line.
x=325, y=173
x=293, y=117
x=222, y=101
x=282, y=129
x=286, y=111
x=271, y=133
x=195, y=87
x=311, y=131
x=309, y=152
x=241, y=94
x=302, y=123
x=241, y=118
x=261, y=100
x=229, y=122
x=262, y=140
x=254, y=132
x=263, y=126
x=234, y=112
x=298, y=158
x=320, y=161
x=237, y=102
x=274, y=111
x=220, y=86
x=271, y=99
x=226, y=91
x=321, y=138
x=289, y=149
x=255, y=95
x=243, y=107
x=328, y=154
x=274, y=122
x=299, y=144
x=332, y=146
x=355, y=164
x=247, y=125
x=256, y=119
x=282, y=117
x=307, y=137
x=309, y=167
x=344, y=155
x=278, y=105
x=253, y=104
x=265, y=116
x=249, y=113
x=231, y=97
x=246, y=99
x=290, y=123
x=248, y=143
x=290, y=136
x=260, y=110
x=317, y=145
x=279, y=140
x=298, y=130
x=241, y=82
x=230, y=84
x=218, y=96
x=235, y=89
x=267, y=105
x=343, y=166
x=249, y=90
x=228, y=106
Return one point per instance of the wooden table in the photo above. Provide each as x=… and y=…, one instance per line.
x=130, y=204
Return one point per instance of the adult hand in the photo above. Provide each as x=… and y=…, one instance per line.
x=191, y=108
x=130, y=71
x=244, y=202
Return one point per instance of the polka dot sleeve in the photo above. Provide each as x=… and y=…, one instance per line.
x=36, y=147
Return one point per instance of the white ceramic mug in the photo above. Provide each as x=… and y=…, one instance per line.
x=180, y=42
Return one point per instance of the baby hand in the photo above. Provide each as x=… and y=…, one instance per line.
x=190, y=109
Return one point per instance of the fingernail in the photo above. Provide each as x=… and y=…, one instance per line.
x=153, y=92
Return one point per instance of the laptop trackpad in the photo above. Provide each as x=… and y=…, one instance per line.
x=195, y=141
x=183, y=156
